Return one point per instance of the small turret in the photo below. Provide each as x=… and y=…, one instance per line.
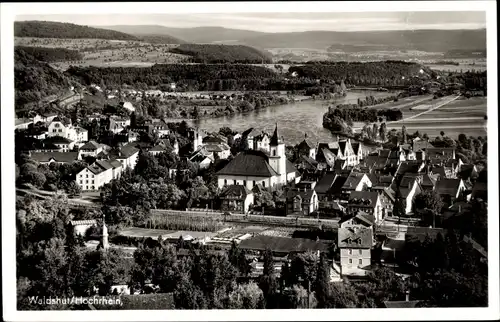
x=104, y=235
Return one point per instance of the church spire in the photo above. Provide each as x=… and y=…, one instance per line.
x=275, y=138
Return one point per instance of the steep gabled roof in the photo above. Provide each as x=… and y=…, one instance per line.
x=290, y=167
x=104, y=164
x=66, y=157
x=353, y=180
x=115, y=163
x=447, y=186
x=236, y=191
x=355, y=237
x=325, y=183
x=305, y=195
x=90, y=145
x=249, y=163
x=306, y=145
x=336, y=187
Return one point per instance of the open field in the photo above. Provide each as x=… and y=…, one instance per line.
x=454, y=68
x=460, y=116
x=108, y=53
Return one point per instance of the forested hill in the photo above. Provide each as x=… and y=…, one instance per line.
x=214, y=54
x=369, y=73
x=49, y=54
x=35, y=80
x=161, y=39
x=50, y=29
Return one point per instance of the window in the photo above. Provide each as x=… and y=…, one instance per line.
x=274, y=153
x=86, y=176
x=81, y=181
x=93, y=183
x=225, y=182
x=86, y=181
x=360, y=261
x=254, y=183
x=350, y=251
x=54, y=130
x=360, y=251
x=245, y=183
x=263, y=184
x=350, y=260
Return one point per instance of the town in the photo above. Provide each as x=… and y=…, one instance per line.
x=150, y=188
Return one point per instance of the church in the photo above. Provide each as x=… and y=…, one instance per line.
x=271, y=169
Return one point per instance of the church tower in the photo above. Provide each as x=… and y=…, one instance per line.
x=104, y=236
x=277, y=158
x=176, y=146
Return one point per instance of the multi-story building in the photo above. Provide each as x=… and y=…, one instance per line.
x=98, y=174
x=355, y=243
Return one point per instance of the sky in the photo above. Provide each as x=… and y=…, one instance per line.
x=286, y=22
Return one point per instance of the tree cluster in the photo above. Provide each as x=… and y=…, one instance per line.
x=383, y=73
x=49, y=54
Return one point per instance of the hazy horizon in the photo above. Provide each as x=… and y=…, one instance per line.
x=286, y=22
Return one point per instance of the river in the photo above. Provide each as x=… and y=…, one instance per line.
x=294, y=119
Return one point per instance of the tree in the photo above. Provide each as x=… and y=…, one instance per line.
x=375, y=131
x=322, y=284
x=404, y=134
x=246, y=296
x=195, y=113
x=383, y=132
x=296, y=297
x=268, y=283
x=73, y=188
x=428, y=201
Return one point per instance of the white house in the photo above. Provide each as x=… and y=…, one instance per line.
x=236, y=198
x=65, y=129
x=127, y=156
x=98, y=174
x=46, y=118
x=259, y=141
x=91, y=148
x=64, y=144
x=355, y=243
x=366, y=201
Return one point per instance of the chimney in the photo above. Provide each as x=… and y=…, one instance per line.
x=408, y=296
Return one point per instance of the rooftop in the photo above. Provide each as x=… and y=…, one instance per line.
x=355, y=237
x=238, y=191
x=325, y=183
x=447, y=186
x=282, y=244
x=65, y=157
x=363, y=198
x=249, y=163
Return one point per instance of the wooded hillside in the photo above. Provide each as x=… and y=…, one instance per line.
x=50, y=29
x=48, y=54
x=214, y=54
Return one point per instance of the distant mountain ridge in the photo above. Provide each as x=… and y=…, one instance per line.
x=193, y=35
x=423, y=40
x=51, y=29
